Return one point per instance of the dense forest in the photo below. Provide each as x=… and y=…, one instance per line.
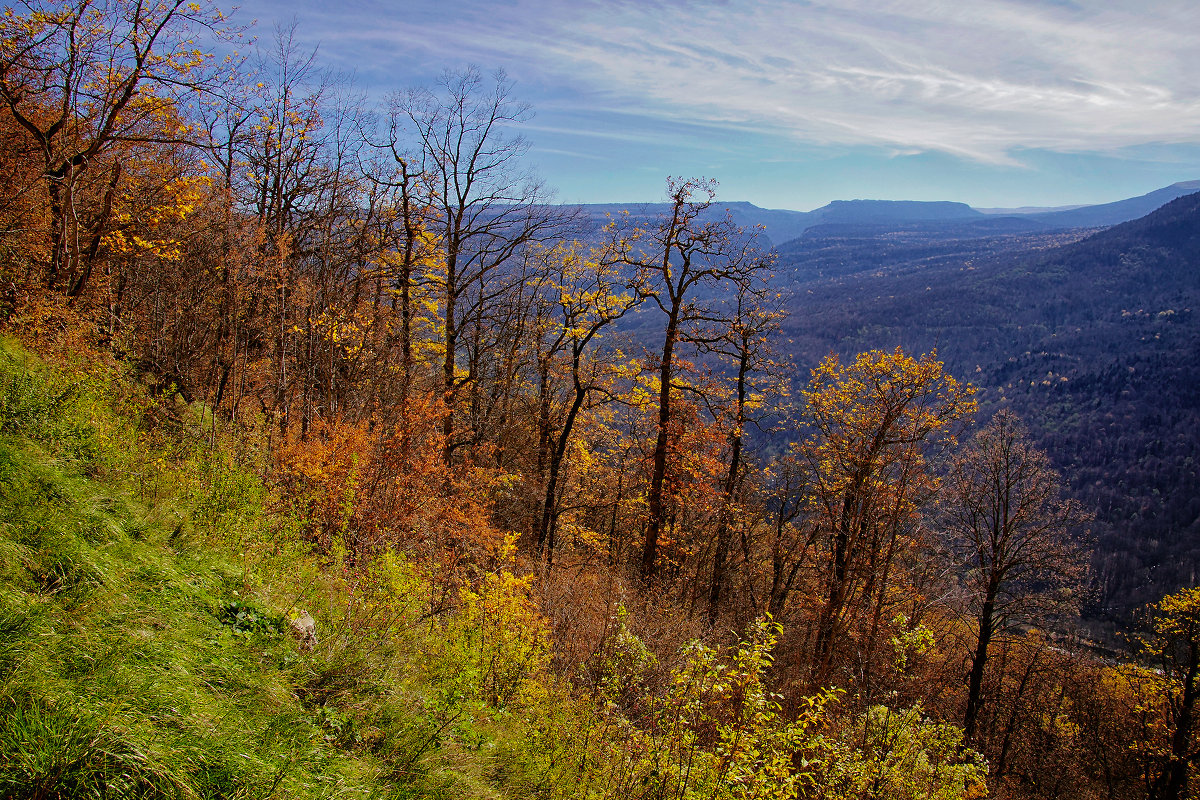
x=546, y=504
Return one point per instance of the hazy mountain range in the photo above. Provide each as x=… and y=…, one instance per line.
x=783, y=225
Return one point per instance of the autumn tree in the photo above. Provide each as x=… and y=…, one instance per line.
x=292, y=180
x=1015, y=537
x=589, y=293
x=82, y=77
x=871, y=425
x=688, y=255
x=743, y=341
x=258, y=305
x=415, y=249
x=1171, y=646
x=20, y=199
x=158, y=212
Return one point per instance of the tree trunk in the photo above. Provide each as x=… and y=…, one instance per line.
x=549, y=523
x=449, y=389
x=717, y=584
x=978, y=663
x=1175, y=777
x=835, y=597
x=79, y=282
x=655, y=498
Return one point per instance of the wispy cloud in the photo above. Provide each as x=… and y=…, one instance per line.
x=984, y=79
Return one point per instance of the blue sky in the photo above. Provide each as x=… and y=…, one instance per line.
x=791, y=104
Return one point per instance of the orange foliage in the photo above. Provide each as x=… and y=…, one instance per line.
x=368, y=485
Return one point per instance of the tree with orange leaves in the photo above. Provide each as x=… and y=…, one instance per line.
x=81, y=77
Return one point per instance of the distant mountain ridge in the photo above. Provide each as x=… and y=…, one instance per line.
x=783, y=225
x=1118, y=212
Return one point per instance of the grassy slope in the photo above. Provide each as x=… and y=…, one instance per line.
x=144, y=648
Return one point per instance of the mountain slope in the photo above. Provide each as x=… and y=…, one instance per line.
x=1094, y=342
x=1115, y=213
x=147, y=583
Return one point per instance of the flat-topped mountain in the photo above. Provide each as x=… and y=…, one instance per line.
x=783, y=225
x=876, y=212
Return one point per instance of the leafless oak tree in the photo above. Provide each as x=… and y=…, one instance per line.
x=488, y=208
x=1015, y=537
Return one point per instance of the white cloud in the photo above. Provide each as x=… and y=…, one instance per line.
x=982, y=79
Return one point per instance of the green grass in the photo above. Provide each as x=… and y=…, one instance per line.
x=144, y=647
x=132, y=661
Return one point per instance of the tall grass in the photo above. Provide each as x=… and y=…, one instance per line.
x=146, y=581
x=122, y=671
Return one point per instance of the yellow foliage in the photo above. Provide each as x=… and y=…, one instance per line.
x=871, y=423
x=506, y=638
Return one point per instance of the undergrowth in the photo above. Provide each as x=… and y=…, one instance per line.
x=149, y=587
x=146, y=586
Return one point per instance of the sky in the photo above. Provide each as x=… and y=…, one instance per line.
x=792, y=104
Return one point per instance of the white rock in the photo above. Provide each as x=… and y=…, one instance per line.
x=304, y=628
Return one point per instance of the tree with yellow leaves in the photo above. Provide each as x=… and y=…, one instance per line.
x=1172, y=646
x=743, y=340
x=588, y=293
x=871, y=425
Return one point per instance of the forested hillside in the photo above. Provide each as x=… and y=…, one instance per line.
x=1094, y=343
x=1118, y=212
x=336, y=461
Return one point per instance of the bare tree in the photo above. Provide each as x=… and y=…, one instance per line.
x=1015, y=537
x=488, y=209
